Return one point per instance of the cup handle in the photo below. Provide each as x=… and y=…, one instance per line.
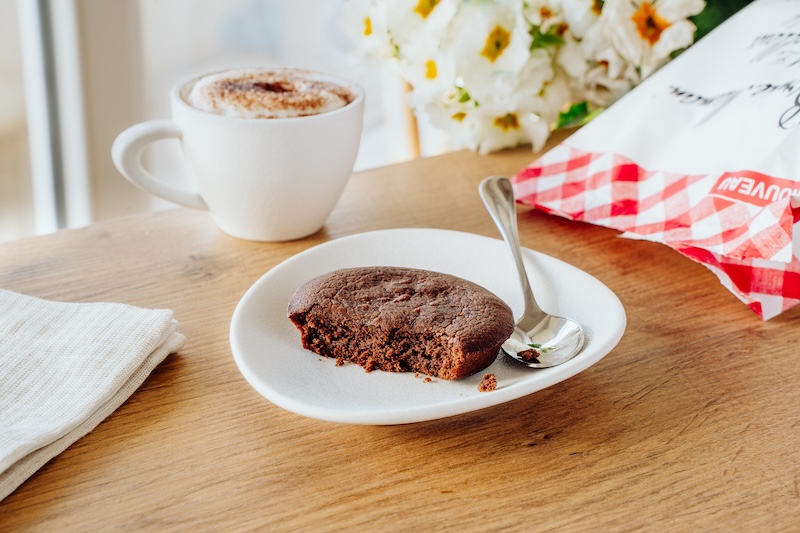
x=127, y=152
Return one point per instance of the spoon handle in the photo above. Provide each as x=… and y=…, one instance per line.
x=497, y=194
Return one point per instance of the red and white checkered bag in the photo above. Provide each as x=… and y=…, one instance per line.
x=747, y=244
x=715, y=177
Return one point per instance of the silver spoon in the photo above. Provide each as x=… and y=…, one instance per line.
x=539, y=340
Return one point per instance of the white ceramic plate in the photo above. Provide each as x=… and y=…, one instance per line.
x=266, y=345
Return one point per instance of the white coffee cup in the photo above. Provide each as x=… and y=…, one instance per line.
x=262, y=179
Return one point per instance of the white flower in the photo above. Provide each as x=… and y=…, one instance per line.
x=524, y=117
x=543, y=13
x=491, y=46
x=494, y=82
x=415, y=27
x=647, y=32
x=579, y=15
x=497, y=73
x=431, y=76
x=489, y=128
x=365, y=23
x=458, y=120
x=597, y=72
x=555, y=97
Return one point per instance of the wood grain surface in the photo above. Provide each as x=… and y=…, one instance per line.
x=691, y=423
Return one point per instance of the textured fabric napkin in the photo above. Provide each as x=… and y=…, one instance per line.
x=64, y=367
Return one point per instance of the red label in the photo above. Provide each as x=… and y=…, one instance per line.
x=754, y=188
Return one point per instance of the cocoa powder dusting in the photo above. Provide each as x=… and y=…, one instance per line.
x=267, y=94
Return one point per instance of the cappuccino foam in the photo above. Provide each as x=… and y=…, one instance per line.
x=267, y=94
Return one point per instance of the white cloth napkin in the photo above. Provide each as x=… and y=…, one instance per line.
x=64, y=367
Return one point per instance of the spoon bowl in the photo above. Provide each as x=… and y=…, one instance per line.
x=540, y=340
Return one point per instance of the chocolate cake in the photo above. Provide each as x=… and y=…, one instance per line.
x=402, y=320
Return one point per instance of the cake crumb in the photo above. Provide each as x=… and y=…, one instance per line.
x=427, y=380
x=488, y=383
x=529, y=356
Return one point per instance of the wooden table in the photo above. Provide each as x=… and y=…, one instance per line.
x=691, y=422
